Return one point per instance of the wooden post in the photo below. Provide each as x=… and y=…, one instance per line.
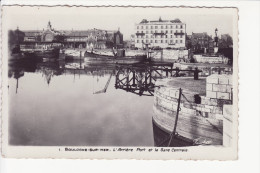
x=134, y=78
x=177, y=72
x=196, y=74
x=127, y=80
x=176, y=118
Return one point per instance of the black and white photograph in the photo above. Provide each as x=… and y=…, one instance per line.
x=120, y=82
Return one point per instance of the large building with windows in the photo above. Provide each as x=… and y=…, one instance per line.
x=89, y=38
x=160, y=33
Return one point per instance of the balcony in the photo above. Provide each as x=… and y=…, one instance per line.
x=179, y=33
x=142, y=34
x=159, y=33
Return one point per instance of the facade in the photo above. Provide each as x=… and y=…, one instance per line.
x=132, y=39
x=160, y=33
x=200, y=42
x=91, y=38
x=49, y=35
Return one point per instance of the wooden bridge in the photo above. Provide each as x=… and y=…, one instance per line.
x=140, y=78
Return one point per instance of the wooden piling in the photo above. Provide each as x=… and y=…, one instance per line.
x=176, y=118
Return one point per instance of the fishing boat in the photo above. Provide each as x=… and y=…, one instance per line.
x=118, y=57
x=40, y=51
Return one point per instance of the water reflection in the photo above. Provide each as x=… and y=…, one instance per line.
x=63, y=103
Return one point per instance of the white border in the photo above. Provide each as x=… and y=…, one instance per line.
x=196, y=152
x=249, y=114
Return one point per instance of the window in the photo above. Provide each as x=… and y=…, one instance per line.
x=137, y=27
x=171, y=27
x=156, y=27
x=151, y=27
x=161, y=27
x=165, y=41
x=180, y=41
x=146, y=36
x=165, y=36
x=151, y=32
x=155, y=41
x=137, y=41
x=151, y=41
x=161, y=36
x=181, y=36
x=181, y=26
x=171, y=41
x=137, y=31
x=155, y=31
x=166, y=31
x=146, y=32
x=171, y=31
x=176, y=41
x=161, y=31
x=166, y=26
x=142, y=27
x=171, y=36
x=146, y=27
x=161, y=41
x=146, y=41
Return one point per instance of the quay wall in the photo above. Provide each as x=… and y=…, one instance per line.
x=219, y=86
x=228, y=126
x=199, y=120
x=206, y=69
x=210, y=59
x=170, y=54
x=156, y=55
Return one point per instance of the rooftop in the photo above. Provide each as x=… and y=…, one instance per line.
x=144, y=21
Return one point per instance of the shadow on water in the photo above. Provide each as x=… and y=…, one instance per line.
x=134, y=79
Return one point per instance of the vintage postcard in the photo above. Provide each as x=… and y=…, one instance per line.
x=119, y=82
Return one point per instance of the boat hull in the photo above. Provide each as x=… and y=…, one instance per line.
x=43, y=54
x=113, y=59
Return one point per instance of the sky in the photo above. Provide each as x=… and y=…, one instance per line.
x=117, y=18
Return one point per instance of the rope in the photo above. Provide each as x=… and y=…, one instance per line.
x=186, y=98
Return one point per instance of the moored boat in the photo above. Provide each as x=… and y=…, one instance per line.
x=40, y=51
x=113, y=59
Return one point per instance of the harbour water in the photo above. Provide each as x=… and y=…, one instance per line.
x=54, y=105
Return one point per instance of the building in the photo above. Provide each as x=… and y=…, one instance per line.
x=225, y=41
x=200, y=42
x=91, y=38
x=160, y=33
x=47, y=36
x=132, y=39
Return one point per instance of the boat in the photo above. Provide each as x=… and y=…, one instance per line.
x=116, y=58
x=40, y=51
x=50, y=53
